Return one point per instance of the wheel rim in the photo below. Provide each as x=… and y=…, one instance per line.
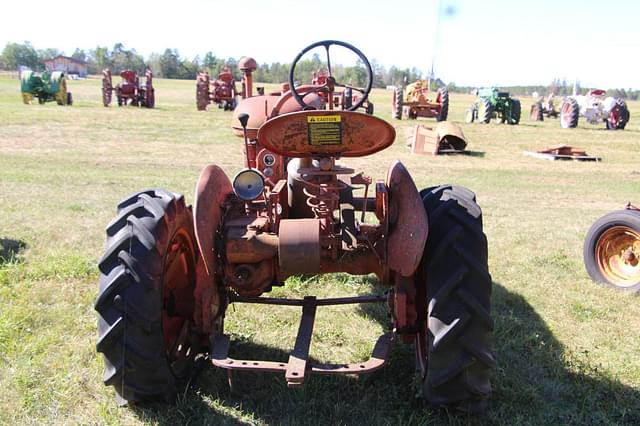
x=566, y=113
x=614, y=116
x=618, y=255
x=177, y=295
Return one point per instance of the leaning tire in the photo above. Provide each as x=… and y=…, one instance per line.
x=443, y=97
x=612, y=250
x=537, y=112
x=470, y=114
x=396, y=106
x=484, y=111
x=569, y=113
x=454, y=347
x=145, y=302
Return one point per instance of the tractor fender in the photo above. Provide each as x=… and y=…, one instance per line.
x=450, y=134
x=408, y=222
x=211, y=191
x=608, y=104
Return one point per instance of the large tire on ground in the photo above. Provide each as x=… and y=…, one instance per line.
x=396, y=106
x=145, y=302
x=612, y=250
x=484, y=111
x=537, y=112
x=569, y=114
x=516, y=112
x=618, y=116
x=443, y=98
x=453, y=349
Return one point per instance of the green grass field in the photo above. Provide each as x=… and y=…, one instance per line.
x=568, y=350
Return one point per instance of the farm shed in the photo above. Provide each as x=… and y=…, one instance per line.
x=66, y=64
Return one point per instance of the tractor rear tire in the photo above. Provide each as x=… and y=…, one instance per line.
x=537, y=112
x=396, y=106
x=145, y=301
x=569, y=114
x=609, y=240
x=456, y=339
x=484, y=111
x=516, y=112
x=619, y=116
x=443, y=96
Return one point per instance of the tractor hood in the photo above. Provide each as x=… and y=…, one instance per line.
x=260, y=109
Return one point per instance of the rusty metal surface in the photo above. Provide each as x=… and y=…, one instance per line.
x=297, y=365
x=408, y=225
x=354, y=134
x=317, y=302
x=445, y=137
x=379, y=357
x=211, y=191
x=299, y=246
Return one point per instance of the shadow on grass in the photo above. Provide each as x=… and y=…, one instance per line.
x=535, y=383
x=10, y=250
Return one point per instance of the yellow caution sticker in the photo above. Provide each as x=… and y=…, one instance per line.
x=324, y=129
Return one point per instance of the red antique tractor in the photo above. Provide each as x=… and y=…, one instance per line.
x=342, y=99
x=170, y=272
x=221, y=91
x=415, y=101
x=129, y=91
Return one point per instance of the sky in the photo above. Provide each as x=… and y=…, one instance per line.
x=479, y=43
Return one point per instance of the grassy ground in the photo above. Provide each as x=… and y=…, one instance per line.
x=567, y=348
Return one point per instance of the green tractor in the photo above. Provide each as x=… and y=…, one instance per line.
x=492, y=103
x=46, y=87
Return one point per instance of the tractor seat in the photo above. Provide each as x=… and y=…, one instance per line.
x=326, y=133
x=128, y=75
x=225, y=76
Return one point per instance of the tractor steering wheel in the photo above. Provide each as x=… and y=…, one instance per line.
x=331, y=81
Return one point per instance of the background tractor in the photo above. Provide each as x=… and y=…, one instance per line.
x=170, y=271
x=221, y=91
x=544, y=108
x=129, y=91
x=595, y=108
x=612, y=249
x=46, y=87
x=413, y=102
x=492, y=103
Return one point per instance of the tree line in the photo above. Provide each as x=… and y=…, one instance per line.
x=170, y=64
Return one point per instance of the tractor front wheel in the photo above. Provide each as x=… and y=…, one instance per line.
x=470, y=115
x=396, y=106
x=443, y=100
x=146, y=297
x=453, y=348
x=612, y=250
x=569, y=114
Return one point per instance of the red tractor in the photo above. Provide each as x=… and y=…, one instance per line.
x=170, y=271
x=342, y=99
x=129, y=91
x=221, y=91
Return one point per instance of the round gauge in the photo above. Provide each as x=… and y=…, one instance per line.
x=269, y=160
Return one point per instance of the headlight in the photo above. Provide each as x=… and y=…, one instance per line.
x=248, y=184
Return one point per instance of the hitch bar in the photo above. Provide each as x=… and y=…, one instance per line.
x=298, y=365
